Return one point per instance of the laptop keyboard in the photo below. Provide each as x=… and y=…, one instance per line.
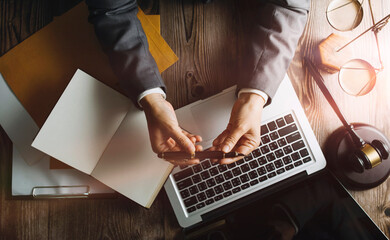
x=282, y=149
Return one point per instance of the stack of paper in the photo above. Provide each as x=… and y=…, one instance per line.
x=98, y=131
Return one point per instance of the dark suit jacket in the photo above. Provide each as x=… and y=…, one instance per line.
x=277, y=30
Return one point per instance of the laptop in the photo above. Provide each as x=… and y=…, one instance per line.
x=289, y=152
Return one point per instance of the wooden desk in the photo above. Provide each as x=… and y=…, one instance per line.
x=206, y=39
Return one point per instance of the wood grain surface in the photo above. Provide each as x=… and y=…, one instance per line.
x=373, y=108
x=208, y=40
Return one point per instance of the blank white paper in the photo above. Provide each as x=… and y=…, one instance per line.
x=82, y=123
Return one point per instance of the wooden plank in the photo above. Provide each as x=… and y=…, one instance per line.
x=207, y=39
x=19, y=19
x=204, y=38
x=371, y=108
x=19, y=219
x=105, y=219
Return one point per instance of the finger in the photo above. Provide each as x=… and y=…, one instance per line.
x=176, y=148
x=193, y=139
x=247, y=145
x=171, y=144
x=189, y=135
x=229, y=160
x=165, y=146
x=213, y=148
x=214, y=160
x=221, y=137
x=198, y=138
x=231, y=139
x=182, y=140
x=198, y=148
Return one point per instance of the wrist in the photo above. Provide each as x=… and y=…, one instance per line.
x=151, y=100
x=253, y=98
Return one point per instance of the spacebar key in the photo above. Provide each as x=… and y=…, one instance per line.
x=286, y=130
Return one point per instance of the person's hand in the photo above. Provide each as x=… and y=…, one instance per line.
x=243, y=131
x=164, y=131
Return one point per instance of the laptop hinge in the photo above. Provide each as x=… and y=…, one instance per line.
x=253, y=197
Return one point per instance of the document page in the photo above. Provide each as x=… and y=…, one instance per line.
x=129, y=165
x=82, y=123
x=18, y=124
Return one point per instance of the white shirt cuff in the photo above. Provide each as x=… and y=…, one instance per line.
x=149, y=91
x=255, y=91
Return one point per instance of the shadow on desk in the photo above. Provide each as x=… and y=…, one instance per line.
x=319, y=208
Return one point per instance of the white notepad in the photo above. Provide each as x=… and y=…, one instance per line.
x=98, y=131
x=18, y=124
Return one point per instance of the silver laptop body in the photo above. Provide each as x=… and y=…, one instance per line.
x=196, y=192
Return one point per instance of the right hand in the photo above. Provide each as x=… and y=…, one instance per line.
x=164, y=131
x=242, y=134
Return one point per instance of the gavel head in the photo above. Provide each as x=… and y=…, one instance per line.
x=369, y=156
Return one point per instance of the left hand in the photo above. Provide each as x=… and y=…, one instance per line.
x=164, y=131
x=243, y=131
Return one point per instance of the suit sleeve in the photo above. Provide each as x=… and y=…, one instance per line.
x=123, y=40
x=272, y=43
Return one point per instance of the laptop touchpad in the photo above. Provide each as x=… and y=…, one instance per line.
x=212, y=115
